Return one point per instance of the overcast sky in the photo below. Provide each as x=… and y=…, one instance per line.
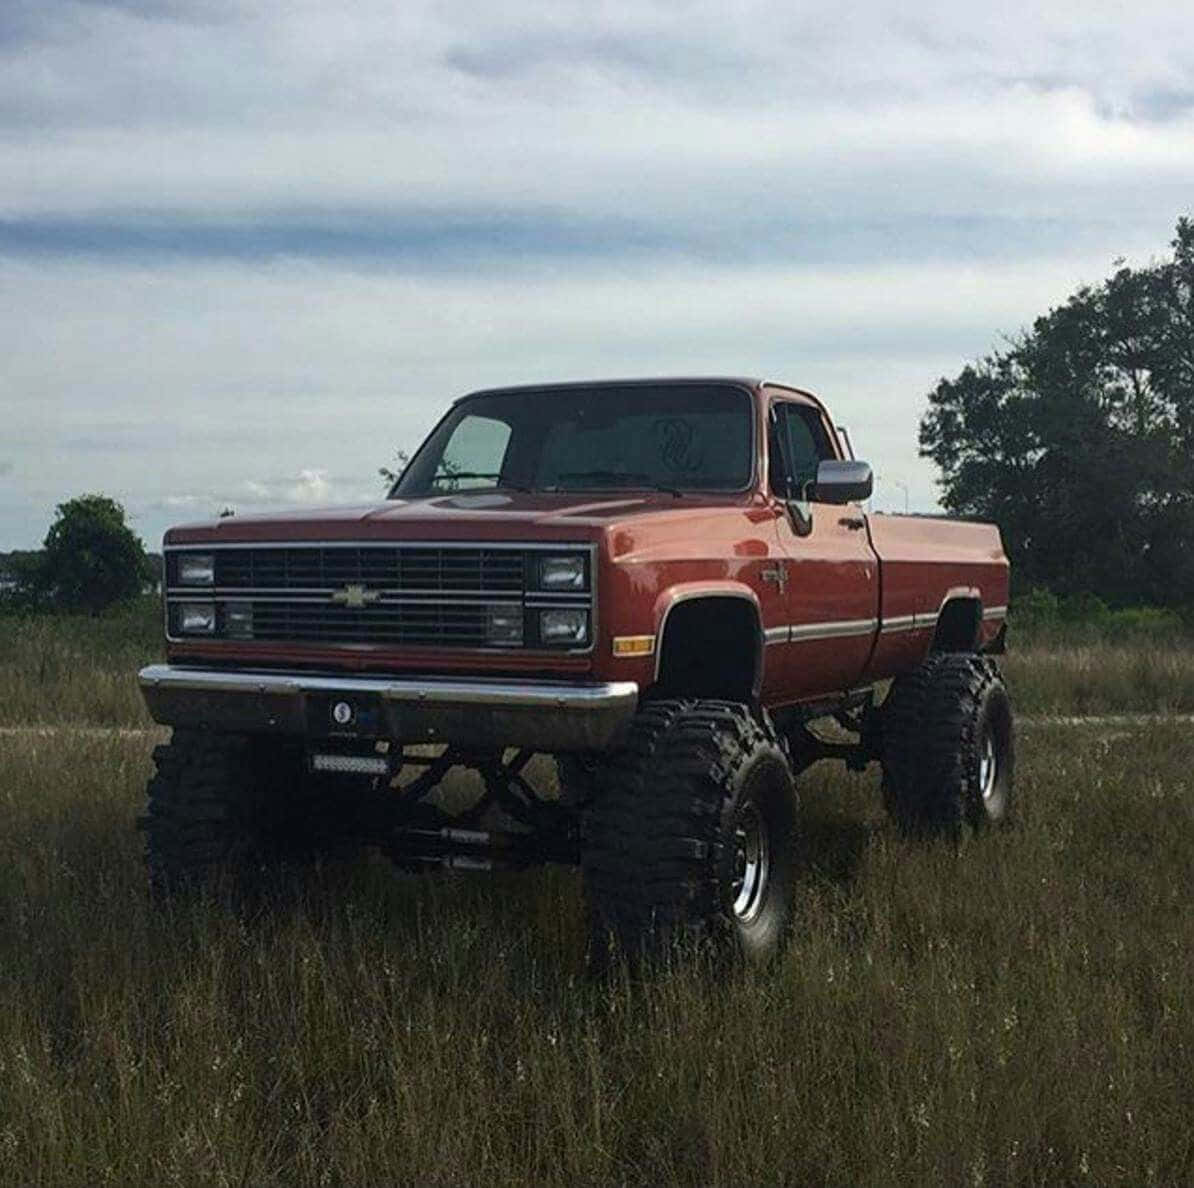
x=249, y=249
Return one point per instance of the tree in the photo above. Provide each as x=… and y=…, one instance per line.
x=391, y=474
x=1078, y=440
x=20, y=576
x=91, y=558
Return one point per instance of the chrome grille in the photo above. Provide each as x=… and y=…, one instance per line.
x=431, y=569
x=371, y=594
x=418, y=623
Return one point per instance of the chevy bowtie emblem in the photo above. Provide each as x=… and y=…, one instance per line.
x=356, y=596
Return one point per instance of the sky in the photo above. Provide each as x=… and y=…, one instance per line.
x=249, y=249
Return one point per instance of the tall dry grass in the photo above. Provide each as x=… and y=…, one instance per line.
x=78, y=668
x=1101, y=678
x=1019, y=1012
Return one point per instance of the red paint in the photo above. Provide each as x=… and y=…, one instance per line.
x=655, y=549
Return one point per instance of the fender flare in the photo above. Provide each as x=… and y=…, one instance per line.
x=959, y=596
x=673, y=596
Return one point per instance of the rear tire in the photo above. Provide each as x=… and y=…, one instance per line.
x=224, y=806
x=948, y=747
x=690, y=836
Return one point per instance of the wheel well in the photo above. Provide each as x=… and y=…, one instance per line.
x=958, y=626
x=712, y=647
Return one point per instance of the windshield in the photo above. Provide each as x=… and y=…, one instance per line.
x=668, y=437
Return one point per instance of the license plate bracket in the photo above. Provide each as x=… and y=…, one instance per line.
x=344, y=716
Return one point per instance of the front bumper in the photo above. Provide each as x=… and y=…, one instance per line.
x=542, y=715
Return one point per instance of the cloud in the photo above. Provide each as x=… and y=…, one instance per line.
x=6, y=468
x=206, y=382
x=312, y=487
x=463, y=241
x=238, y=227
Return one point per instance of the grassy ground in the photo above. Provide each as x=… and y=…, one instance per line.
x=77, y=668
x=1101, y=678
x=1019, y=1012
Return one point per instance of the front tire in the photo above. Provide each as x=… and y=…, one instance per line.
x=227, y=806
x=690, y=836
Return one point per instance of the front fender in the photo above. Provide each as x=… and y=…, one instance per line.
x=711, y=588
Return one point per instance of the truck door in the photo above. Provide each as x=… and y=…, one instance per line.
x=831, y=575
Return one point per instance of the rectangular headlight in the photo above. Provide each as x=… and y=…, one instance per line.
x=196, y=618
x=238, y=620
x=503, y=625
x=196, y=569
x=566, y=572
x=564, y=625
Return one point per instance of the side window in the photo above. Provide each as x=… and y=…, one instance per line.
x=474, y=455
x=798, y=444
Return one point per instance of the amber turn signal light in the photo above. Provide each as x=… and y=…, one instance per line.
x=634, y=645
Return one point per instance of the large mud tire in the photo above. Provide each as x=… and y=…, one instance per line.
x=948, y=747
x=690, y=838
x=224, y=808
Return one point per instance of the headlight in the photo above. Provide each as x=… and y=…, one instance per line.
x=197, y=618
x=196, y=569
x=562, y=573
x=238, y=620
x=564, y=626
x=503, y=626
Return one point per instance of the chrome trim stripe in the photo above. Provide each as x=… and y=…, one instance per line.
x=431, y=690
x=323, y=593
x=847, y=628
x=995, y=612
x=843, y=629
x=809, y=632
x=385, y=598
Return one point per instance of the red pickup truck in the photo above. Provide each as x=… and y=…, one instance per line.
x=668, y=585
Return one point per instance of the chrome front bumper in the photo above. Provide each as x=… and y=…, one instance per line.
x=543, y=715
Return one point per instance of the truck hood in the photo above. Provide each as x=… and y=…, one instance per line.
x=489, y=515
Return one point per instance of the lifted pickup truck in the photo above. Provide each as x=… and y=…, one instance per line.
x=664, y=584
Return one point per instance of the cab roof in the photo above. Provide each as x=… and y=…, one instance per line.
x=643, y=381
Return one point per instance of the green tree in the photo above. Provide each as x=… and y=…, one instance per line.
x=20, y=579
x=92, y=559
x=391, y=474
x=1078, y=440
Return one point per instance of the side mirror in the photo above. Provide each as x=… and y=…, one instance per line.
x=843, y=482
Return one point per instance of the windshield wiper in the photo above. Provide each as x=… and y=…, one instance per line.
x=634, y=477
x=498, y=481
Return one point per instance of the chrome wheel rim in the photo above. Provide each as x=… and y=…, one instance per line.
x=752, y=863
x=988, y=768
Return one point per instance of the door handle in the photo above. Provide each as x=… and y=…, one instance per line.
x=852, y=522
x=778, y=574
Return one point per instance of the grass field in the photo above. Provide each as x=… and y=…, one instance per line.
x=1019, y=1012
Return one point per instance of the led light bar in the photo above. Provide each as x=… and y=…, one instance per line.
x=352, y=764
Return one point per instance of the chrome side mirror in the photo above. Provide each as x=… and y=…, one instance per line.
x=843, y=482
